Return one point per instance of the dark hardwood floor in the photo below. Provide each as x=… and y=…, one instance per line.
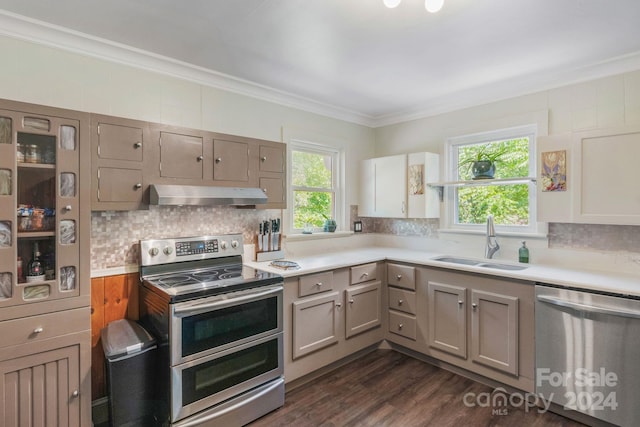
x=387, y=388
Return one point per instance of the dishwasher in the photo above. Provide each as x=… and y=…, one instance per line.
x=588, y=352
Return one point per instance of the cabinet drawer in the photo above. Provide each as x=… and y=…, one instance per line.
x=45, y=326
x=315, y=283
x=402, y=324
x=402, y=300
x=364, y=273
x=402, y=276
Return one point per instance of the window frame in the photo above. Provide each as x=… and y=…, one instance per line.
x=451, y=192
x=337, y=173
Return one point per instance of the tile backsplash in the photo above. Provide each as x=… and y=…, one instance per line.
x=115, y=234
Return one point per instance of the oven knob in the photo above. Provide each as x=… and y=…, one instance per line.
x=234, y=244
x=223, y=244
x=168, y=250
x=153, y=251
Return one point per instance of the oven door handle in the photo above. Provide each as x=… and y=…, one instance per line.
x=634, y=314
x=198, y=307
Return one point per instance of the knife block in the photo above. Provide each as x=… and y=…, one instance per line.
x=269, y=248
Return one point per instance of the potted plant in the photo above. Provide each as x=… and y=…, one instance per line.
x=483, y=162
x=329, y=224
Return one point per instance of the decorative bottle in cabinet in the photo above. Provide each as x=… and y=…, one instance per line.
x=35, y=271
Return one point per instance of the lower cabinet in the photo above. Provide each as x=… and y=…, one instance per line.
x=327, y=318
x=483, y=324
x=46, y=382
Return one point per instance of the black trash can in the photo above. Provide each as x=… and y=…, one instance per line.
x=130, y=353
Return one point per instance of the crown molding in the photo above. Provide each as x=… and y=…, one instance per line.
x=39, y=32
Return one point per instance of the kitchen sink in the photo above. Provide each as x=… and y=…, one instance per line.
x=477, y=263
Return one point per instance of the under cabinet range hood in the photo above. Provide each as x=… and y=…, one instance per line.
x=161, y=194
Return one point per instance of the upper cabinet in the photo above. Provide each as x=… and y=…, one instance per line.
x=119, y=148
x=395, y=186
x=129, y=155
x=596, y=170
x=41, y=214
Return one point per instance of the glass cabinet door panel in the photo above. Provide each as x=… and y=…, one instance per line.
x=5, y=182
x=67, y=278
x=6, y=285
x=36, y=292
x=67, y=232
x=5, y=130
x=67, y=184
x=5, y=234
x=68, y=137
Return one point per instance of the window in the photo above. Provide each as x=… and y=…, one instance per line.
x=314, y=185
x=512, y=202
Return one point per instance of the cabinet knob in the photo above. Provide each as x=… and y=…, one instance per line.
x=400, y=302
x=75, y=393
x=351, y=301
x=38, y=330
x=67, y=208
x=200, y=158
x=265, y=190
x=474, y=305
x=218, y=159
x=460, y=302
x=137, y=145
x=319, y=284
x=365, y=275
x=137, y=186
x=338, y=304
x=400, y=325
x=264, y=158
x=399, y=276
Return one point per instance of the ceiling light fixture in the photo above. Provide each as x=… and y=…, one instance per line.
x=432, y=6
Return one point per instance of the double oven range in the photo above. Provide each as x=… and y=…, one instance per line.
x=219, y=325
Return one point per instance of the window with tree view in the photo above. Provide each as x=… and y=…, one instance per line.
x=313, y=185
x=511, y=203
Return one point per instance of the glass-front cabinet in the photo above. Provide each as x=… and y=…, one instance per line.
x=39, y=208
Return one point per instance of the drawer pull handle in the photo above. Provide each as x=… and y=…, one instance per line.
x=319, y=284
x=400, y=325
x=365, y=275
x=38, y=330
x=399, y=276
x=75, y=393
x=400, y=302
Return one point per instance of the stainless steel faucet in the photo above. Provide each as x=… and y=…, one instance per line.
x=492, y=244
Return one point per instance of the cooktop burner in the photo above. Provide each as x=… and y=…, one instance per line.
x=207, y=277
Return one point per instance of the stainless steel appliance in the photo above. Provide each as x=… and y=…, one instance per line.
x=588, y=352
x=219, y=326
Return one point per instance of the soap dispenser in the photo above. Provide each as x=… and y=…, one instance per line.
x=523, y=253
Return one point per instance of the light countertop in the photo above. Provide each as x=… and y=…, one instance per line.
x=618, y=283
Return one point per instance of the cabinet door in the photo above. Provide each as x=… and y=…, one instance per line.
x=120, y=185
x=275, y=191
x=363, y=311
x=494, y=331
x=271, y=159
x=119, y=142
x=315, y=323
x=447, y=318
x=391, y=186
x=41, y=389
x=231, y=161
x=181, y=156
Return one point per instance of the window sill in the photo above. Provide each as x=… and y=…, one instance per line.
x=541, y=236
x=317, y=235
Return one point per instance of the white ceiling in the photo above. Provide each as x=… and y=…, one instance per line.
x=354, y=59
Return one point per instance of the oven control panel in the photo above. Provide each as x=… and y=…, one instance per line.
x=163, y=251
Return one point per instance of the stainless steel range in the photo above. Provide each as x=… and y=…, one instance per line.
x=219, y=325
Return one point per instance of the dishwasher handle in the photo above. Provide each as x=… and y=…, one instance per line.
x=634, y=314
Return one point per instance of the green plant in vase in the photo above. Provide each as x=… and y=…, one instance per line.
x=329, y=224
x=482, y=162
